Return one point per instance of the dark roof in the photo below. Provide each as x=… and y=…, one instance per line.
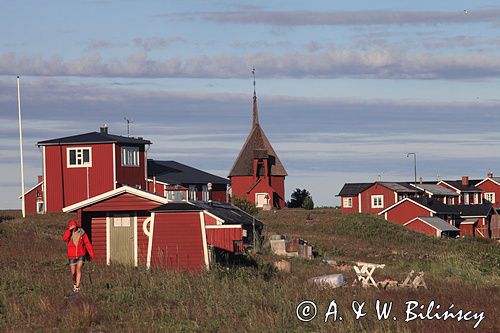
x=473, y=210
x=229, y=213
x=400, y=187
x=172, y=172
x=438, y=223
x=257, y=145
x=352, y=189
x=437, y=190
x=177, y=207
x=93, y=137
x=435, y=205
x=464, y=188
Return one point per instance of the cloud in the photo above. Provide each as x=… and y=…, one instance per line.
x=344, y=18
x=154, y=43
x=334, y=62
x=100, y=44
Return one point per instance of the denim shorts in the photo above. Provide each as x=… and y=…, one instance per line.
x=74, y=261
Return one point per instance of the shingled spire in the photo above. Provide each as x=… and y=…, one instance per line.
x=255, y=121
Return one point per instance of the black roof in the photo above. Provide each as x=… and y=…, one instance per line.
x=229, y=213
x=93, y=137
x=465, y=188
x=177, y=207
x=351, y=189
x=473, y=210
x=175, y=173
x=435, y=205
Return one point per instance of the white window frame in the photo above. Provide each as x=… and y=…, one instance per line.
x=193, y=192
x=122, y=220
x=491, y=195
x=375, y=198
x=466, y=198
x=130, y=156
x=79, y=157
x=205, y=193
x=347, y=202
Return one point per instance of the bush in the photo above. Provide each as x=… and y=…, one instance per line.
x=308, y=203
x=297, y=198
x=245, y=205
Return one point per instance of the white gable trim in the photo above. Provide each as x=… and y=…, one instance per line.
x=226, y=226
x=400, y=202
x=453, y=187
x=31, y=189
x=204, y=240
x=113, y=193
x=482, y=181
x=218, y=219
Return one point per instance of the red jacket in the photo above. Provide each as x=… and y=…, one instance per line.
x=83, y=245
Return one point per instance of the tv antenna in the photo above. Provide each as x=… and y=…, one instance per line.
x=129, y=121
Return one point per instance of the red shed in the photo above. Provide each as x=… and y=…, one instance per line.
x=258, y=174
x=33, y=198
x=432, y=226
x=491, y=189
x=131, y=226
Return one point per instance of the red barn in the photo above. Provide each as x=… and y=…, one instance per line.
x=82, y=166
x=131, y=226
x=258, y=174
x=491, y=189
x=432, y=226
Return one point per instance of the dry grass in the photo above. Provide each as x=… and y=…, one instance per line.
x=34, y=282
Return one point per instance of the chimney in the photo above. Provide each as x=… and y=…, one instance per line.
x=40, y=179
x=465, y=180
x=490, y=174
x=104, y=129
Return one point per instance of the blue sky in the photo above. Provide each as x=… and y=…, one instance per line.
x=345, y=89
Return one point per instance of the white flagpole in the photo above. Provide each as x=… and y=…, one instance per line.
x=21, y=146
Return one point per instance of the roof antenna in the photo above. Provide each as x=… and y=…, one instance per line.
x=255, y=111
x=129, y=121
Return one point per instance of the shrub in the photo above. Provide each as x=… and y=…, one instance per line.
x=308, y=203
x=298, y=197
x=245, y=205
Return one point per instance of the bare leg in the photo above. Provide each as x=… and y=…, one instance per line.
x=78, y=273
x=73, y=271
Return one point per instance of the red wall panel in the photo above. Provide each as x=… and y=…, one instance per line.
x=131, y=175
x=353, y=209
x=376, y=189
x=142, y=241
x=490, y=186
x=98, y=238
x=421, y=226
x=31, y=198
x=223, y=238
x=177, y=241
x=405, y=212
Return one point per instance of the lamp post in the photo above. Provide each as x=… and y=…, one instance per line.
x=414, y=164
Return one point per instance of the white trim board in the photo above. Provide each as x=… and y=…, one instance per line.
x=226, y=226
x=406, y=199
x=31, y=189
x=112, y=193
x=204, y=240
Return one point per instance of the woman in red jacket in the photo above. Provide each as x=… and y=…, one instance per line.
x=78, y=245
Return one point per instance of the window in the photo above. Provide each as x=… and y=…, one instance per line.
x=79, y=157
x=466, y=198
x=39, y=207
x=192, y=192
x=347, y=202
x=377, y=201
x=205, y=195
x=177, y=195
x=130, y=156
x=121, y=221
x=476, y=198
x=490, y=196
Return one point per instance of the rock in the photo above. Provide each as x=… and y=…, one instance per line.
x=328, y=281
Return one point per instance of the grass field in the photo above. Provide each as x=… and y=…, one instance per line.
x=35, y=283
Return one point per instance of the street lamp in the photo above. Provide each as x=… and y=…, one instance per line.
x=414, y=164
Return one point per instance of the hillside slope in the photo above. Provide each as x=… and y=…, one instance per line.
x=35, y=283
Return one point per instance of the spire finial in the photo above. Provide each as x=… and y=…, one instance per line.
x=255, y=121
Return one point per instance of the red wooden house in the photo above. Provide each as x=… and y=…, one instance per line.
x=409, y=208
x=371, y=198
x=130, y=226
x=491, y=189
x=82, y=166
x=258, y=174
x=468, y=193
x=33, y=198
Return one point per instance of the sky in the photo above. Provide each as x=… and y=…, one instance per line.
x=345, y=89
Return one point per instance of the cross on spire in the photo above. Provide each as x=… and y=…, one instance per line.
x=255, y=121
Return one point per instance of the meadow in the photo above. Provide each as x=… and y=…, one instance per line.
x=35, y=282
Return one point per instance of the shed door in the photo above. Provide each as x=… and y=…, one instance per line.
x=121, y=239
